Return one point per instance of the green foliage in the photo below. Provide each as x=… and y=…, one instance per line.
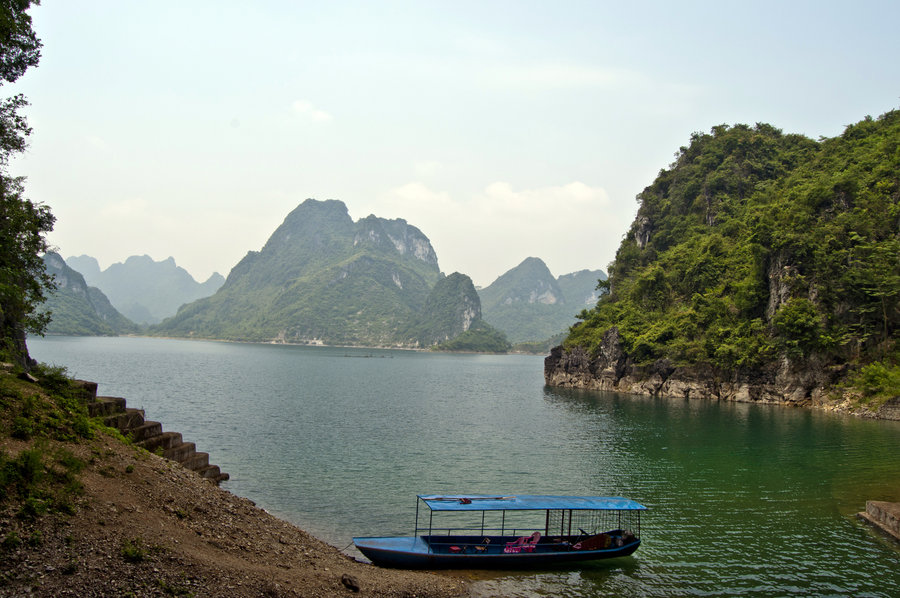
x=480, y=338
x=755, y=244
x=41, y=482
x=22, y=428
x=21, y=49
x=133, y=551
x=23, y=223
x=43, y=477
x=173, y=590
x=320, y=278
x=60, y=415
x=798, y=326
x=878, y=382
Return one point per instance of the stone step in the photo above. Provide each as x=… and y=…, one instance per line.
x=148, y=434
x=106, y=406
x=89, y=389
x=132, y=418
x=180, y=452
x=210, y=472
x=164, y=441
x=196, y=461
x=145, y=431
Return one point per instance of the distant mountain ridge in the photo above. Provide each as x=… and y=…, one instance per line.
x=144, y=290
x=78, y=309
x=528, y=304
x=323, y=278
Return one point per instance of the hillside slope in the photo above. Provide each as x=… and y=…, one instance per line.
x=760, y=266
x=452, y=319
x=323, y=278
x=78, y=309
x=83, y=514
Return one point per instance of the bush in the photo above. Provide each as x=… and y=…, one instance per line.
x=878, y=382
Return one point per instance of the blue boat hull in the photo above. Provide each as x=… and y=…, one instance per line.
x=415, y=552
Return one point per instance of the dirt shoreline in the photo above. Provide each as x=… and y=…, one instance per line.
x=146, y=526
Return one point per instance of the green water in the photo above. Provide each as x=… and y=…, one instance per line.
x=744, y=500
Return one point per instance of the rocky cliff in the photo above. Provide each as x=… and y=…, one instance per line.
x=613, y=370
x=760, y=267
x=779, y=384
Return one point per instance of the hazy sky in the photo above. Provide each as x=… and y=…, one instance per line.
x=502, y=130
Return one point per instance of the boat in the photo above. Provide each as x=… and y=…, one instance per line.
x=507, y=532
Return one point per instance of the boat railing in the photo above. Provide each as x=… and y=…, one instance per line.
x=477, y=531
x=522, y=541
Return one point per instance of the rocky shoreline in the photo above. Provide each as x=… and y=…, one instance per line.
x=613, y=370
x=146, y=526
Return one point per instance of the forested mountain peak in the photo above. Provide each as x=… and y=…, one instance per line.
x=322, y=278
x=759, y=250
x=317, y=225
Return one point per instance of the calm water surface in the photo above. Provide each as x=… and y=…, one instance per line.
x=745, y=500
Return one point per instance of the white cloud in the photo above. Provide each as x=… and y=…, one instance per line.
x=306, y=109
x=571, y=227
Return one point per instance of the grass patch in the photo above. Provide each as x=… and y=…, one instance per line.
x=173, y=590
x=54, y=408
x=136, y=551
x=41, y=482
x=133, y=551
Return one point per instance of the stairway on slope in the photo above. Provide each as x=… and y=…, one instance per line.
x=149, y=434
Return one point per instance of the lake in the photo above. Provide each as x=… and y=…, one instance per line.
x=744, y=500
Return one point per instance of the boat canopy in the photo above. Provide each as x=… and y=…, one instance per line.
x=527, y=502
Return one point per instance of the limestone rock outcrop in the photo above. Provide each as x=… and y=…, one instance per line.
x=611, y=369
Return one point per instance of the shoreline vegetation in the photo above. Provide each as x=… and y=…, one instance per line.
x=83, y=512
x=761, y=266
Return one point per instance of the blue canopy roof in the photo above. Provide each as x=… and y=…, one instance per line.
x=526, y=502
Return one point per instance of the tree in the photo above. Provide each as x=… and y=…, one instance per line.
x=23, y=224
